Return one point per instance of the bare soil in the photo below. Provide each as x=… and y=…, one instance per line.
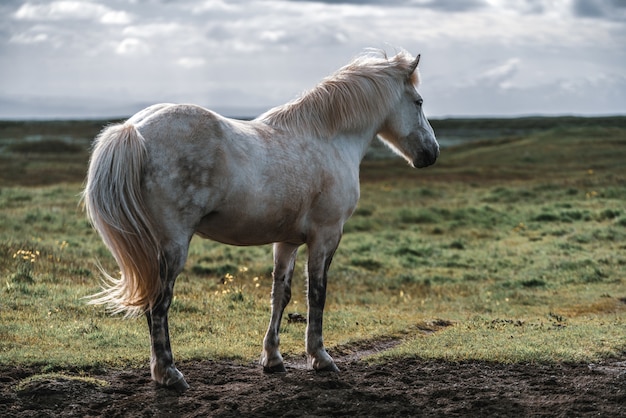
x=404, y=387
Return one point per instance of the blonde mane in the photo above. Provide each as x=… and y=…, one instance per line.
x=362, y=91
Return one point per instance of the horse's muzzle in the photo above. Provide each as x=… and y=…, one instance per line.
x=427, y=157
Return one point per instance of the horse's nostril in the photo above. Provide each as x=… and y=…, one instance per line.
x=426, y=158
x=431, y=157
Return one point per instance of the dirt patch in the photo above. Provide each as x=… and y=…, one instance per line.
x=407, y=387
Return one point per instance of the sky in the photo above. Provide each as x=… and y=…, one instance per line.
x=111, y=58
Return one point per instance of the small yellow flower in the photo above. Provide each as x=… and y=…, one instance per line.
x=519, y=227
x=27, y=255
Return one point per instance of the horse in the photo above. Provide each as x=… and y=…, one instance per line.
x=289, y=177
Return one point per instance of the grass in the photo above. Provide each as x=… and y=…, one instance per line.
x=518, y=242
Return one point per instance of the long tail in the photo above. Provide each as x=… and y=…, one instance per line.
x=116, y=209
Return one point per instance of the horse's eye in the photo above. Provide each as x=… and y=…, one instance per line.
x=419, y=102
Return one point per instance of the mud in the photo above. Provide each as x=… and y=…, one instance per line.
x=407, y=387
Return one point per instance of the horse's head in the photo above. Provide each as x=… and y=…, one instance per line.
x=406, y=129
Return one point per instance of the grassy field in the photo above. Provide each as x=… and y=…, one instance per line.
x=511, y=248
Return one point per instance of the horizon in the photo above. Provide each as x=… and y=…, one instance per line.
x=249, y=117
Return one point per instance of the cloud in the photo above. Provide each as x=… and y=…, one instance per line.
x=71, y=10
x=115, y=18
x=442, y=5
x=213, y=6
x=150, y=30
x=602, y=9
x=191, y=62
x=132, y=46
x=359, y=2
x=29, y=38
x=500, y=75
x=451, y=5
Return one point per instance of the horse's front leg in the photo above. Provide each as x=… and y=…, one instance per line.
x=320, y=257
x=284, y=263
x=162, y=365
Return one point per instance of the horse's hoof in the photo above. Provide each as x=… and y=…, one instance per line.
x=175, y=380
x=332, y=367
x=278, y=368
x=179, y=386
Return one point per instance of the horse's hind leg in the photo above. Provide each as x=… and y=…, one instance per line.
x=284, y=263
x=162, y=362
x=321, y=251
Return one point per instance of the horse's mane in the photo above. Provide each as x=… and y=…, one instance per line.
x=362, y=91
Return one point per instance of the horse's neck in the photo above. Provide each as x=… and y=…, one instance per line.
x=353, y=146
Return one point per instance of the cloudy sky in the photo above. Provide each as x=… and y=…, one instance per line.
x=106, y=58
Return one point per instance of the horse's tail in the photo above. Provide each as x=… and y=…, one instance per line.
x=116, y=209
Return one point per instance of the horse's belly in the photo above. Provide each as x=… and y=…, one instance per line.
x=237, y=230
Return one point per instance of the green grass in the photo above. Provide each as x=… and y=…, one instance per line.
x=518, y=242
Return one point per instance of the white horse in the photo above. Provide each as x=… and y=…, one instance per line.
x=289, y=177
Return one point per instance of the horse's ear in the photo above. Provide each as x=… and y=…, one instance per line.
x=413, y=65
